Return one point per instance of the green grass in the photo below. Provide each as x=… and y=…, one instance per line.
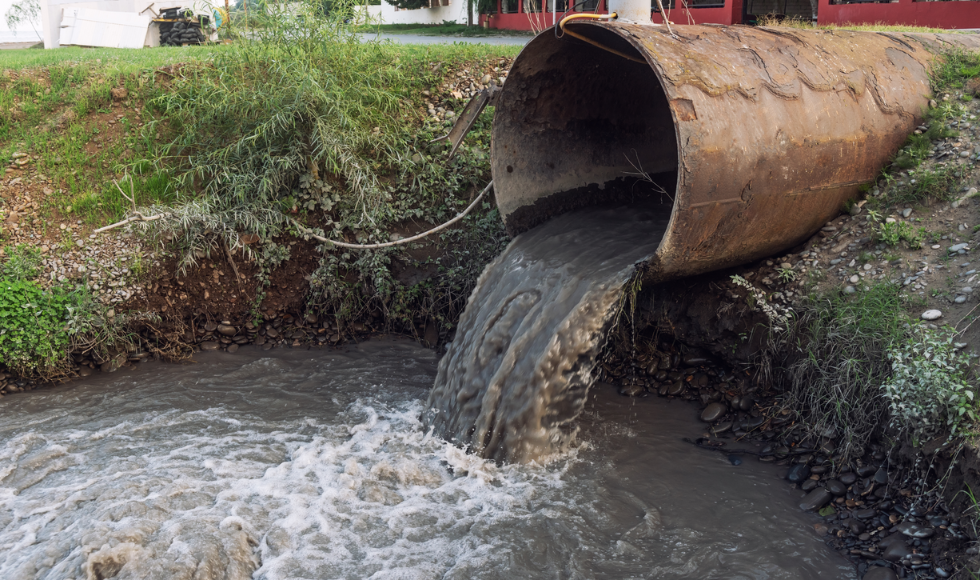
x=111, y=60
x=873, y=27
x=840, y=344
x=460, y=30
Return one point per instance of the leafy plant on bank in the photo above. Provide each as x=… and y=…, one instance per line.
x=37, y=325
x=893, y=233
x=927, y=391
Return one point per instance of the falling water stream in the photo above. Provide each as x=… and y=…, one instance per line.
x=320, y=464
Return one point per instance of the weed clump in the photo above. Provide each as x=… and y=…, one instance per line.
x=37, y=325
x=860, y=363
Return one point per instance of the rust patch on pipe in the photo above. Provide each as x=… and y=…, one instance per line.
x=684, y=110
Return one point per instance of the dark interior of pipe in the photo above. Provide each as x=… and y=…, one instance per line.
x=581, y=126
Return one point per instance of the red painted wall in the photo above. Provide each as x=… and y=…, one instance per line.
x=731, y=13
x=956, y=14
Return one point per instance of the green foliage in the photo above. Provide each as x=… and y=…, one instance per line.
x=927, y=391
x=25, y=11
x=953, y=67
x=21, y=263
x=786, y=275
x=841, y=343
x=37, y=325
x=894, y=233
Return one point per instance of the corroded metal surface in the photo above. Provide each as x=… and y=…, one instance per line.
x=768, y=131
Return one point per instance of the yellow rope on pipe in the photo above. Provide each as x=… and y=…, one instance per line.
x=561, y=25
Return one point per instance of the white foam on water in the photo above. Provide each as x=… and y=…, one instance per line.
x=370, y=497
x=294, y=465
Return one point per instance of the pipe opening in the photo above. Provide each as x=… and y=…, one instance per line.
x=576, y=126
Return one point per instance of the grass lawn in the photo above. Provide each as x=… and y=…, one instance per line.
x=441, y=30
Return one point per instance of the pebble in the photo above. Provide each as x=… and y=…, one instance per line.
x=849, y=290
x=713, y=412
x=835, y=487
x=959, y=299
x=931, y=315
x=915, y=530
x=854, y=279
x=798, y=473
x=232, y=348
x=227, y=329
x=848, y=478
x=209, y=345
x=906, y=212
x=957, y=248
x=815, y=500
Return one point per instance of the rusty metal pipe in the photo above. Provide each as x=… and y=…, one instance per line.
x=757, y=135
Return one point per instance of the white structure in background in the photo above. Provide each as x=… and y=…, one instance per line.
x=114, y=23
x=440, y=11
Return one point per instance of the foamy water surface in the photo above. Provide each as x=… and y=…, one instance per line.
x=313, y=464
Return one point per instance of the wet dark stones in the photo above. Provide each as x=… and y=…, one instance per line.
x=713, y=412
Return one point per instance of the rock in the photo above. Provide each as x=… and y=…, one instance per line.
x=931, y=315
x=849, y=290
x=85, y=371
x=915, y=530
x=798, y=473
x=809, y=485
x=786, y=265
x=881, y=476
x=232, y=348
x=815, y=500
x=957, y=248
x=835, y=487
x=746, y=403
x=119, y=94
x=210, y=345
x=906, y=212
x=713, y=412
x=964, y=154
x=895, y=551
x=486, y=79
x=959, y=299
x=734, y=460
x=854, y=279
x=227, y=330
x=879, y=573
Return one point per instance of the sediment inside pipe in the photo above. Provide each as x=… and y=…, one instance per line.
x=578, y=126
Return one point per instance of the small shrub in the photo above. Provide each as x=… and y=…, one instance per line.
x=927, y=391
x=892, y=234
x=36, y=327
x=22, y=262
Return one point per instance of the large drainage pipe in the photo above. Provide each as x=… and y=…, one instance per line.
x=757, y=135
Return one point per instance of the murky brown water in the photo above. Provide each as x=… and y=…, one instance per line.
x=516, y=375
x=313, y=464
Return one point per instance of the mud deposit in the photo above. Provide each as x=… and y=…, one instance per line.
x=313, y=464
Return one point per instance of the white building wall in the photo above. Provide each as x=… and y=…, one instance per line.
x=456, y=12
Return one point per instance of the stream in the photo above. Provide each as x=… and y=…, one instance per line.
x=314, y=464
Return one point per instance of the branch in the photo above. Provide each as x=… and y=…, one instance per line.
x=404, y=240
x=136, y=218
